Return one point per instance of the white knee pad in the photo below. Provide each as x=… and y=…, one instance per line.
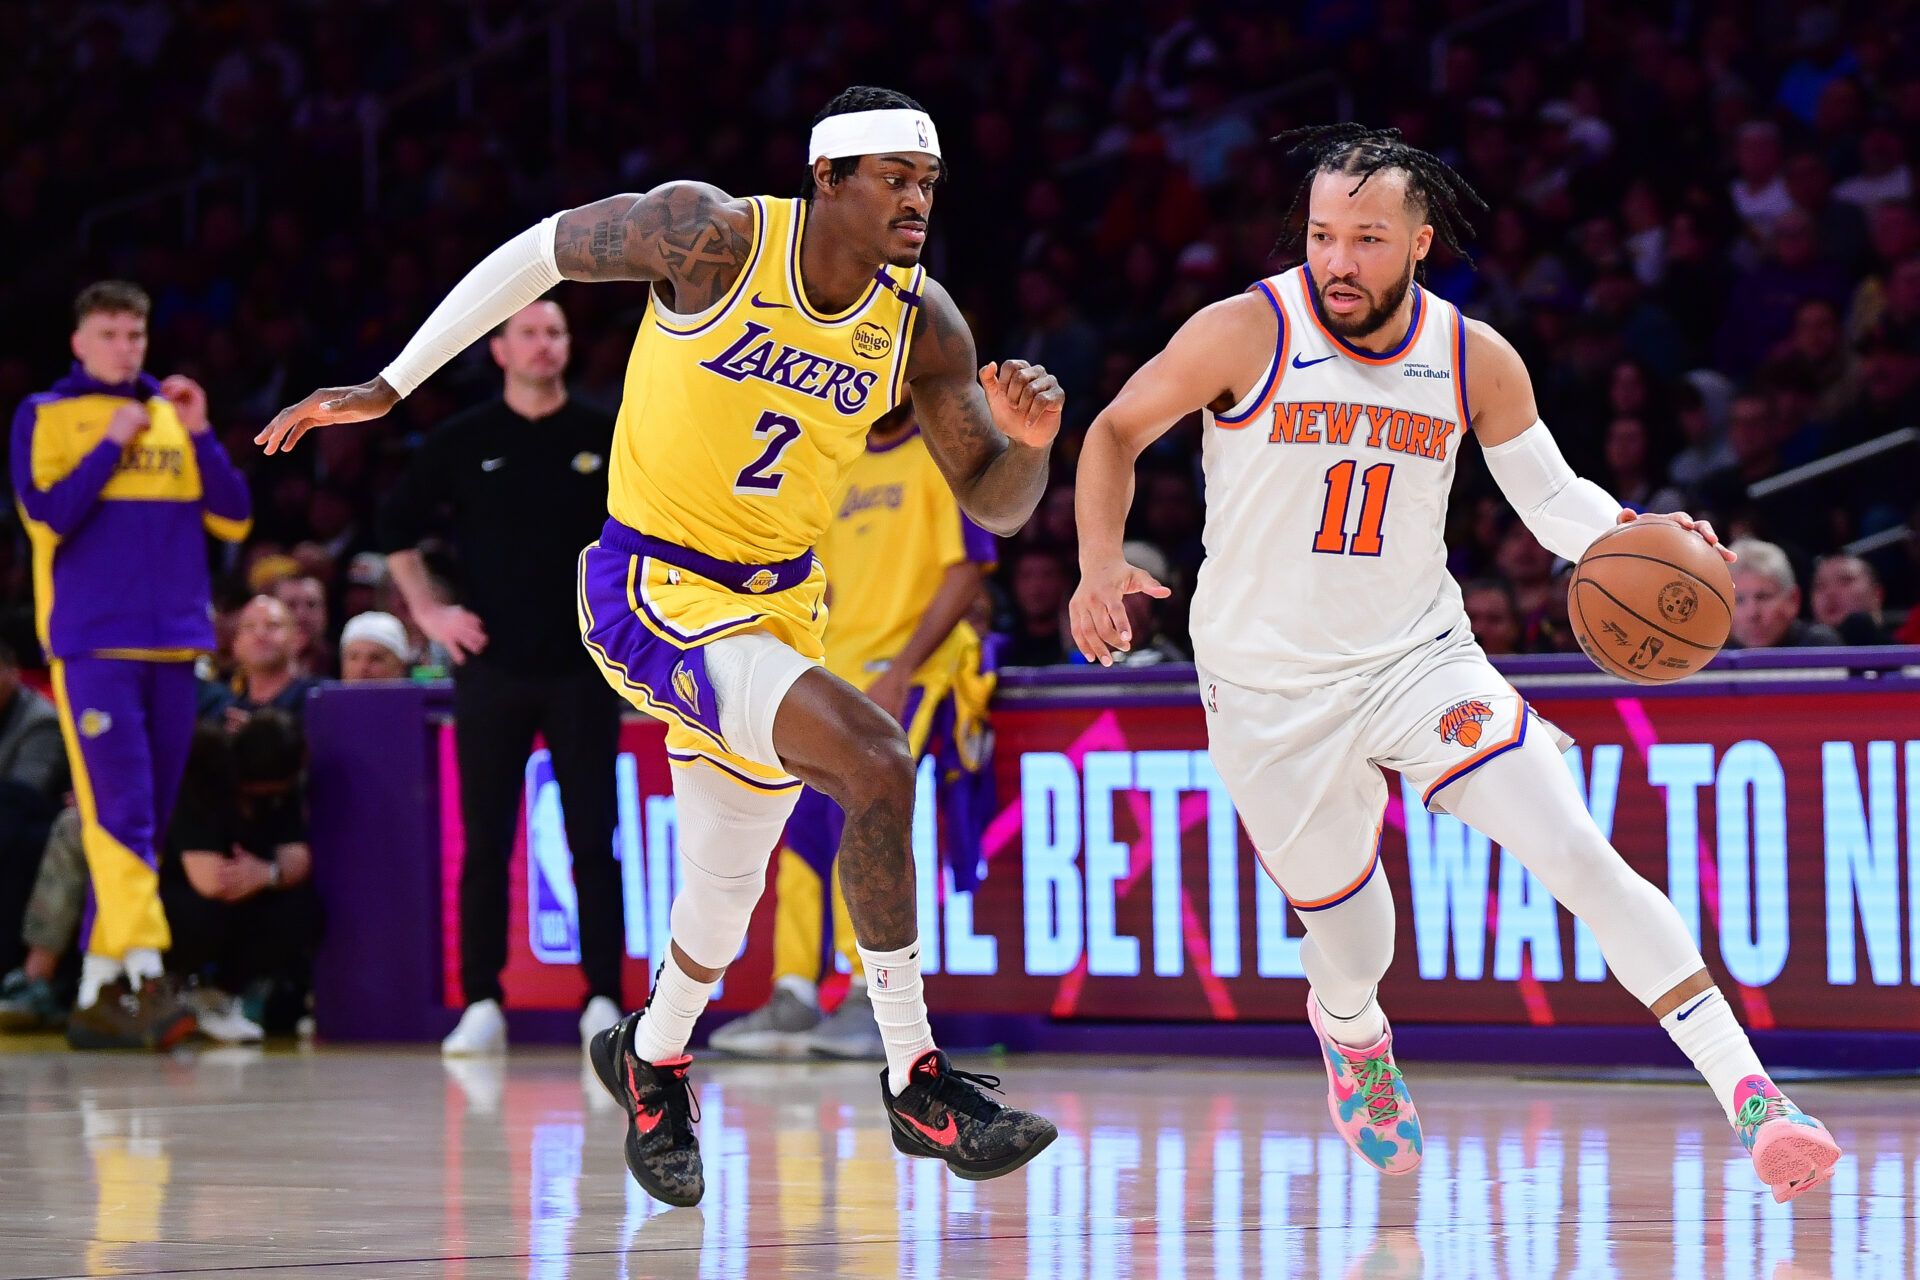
x=727, y=832
x=751, y=673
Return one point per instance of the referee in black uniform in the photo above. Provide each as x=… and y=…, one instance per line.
x=523, y=479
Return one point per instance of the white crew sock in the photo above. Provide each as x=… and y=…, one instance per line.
x=1707, y=1032
x=96, y=971
x=666, y=1024
x=143, y=963
x=1361, y=1030
x=900, y=1007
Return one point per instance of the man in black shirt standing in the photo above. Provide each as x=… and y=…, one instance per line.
x=524, y=481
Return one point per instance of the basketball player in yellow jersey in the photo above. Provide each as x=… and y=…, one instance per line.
x=776, y=332
x=906, y=567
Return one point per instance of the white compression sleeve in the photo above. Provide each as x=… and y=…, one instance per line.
x=509, y=278
x=1564, y=511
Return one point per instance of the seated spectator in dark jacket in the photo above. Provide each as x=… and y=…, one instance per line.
x=236, y=880
x=266, y=652
x=1848, y=596
x=1040, y=588
x=33, y=778
x=1766, y=601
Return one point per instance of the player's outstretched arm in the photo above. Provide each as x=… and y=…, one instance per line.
x=1565, y=512
x=1227, y=342
x=990, y=430
x=688, y=235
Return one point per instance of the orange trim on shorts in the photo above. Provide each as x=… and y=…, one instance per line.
x=1335, y=899
x=1481, y=756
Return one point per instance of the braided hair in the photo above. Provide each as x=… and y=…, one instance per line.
x=861, y=97
x=1435, y=192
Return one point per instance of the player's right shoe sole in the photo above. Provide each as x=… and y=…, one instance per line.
x=1793, y=1158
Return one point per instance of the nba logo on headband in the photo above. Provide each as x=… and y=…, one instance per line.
x=867, y=133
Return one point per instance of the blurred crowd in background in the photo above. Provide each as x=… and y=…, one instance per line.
x=1703, y=239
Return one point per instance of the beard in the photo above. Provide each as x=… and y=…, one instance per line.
x=1379, y=310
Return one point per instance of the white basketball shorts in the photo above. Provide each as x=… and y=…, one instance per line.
x=1303, y=766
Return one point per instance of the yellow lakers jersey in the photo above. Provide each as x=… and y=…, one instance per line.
x=737, y=424
x=897, y=529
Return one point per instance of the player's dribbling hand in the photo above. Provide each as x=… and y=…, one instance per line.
x=189, y=403
x=324, y=408
x=126, y=424
x=1097, y=613
x=1685, y=521
x=1025, y=399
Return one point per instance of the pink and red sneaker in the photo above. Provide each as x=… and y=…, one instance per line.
x=1792, y=1152
x=1368, y=1099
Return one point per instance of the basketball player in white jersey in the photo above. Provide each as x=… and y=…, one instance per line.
x=1331, y=641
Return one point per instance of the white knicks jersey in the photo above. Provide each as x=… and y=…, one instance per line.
x=1327, y=500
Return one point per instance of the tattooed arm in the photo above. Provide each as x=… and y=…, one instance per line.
x=991, y=438
x=690, y=239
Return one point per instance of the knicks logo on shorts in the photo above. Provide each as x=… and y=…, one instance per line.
x=684, y=687
x=1461, y=722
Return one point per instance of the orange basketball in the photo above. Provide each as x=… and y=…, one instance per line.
x=1650, y=601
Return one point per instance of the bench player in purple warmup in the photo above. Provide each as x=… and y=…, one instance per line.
x=776, y=332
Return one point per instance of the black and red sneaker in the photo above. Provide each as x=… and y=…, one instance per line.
x=945, y=1114
x=662, y=1153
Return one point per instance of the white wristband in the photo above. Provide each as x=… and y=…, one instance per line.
x=1564, y=511
x=509, y=278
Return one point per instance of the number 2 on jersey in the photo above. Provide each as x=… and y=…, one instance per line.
x=759, y=476
x=1332, y=538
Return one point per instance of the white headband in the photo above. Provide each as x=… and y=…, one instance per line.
x=867, y=133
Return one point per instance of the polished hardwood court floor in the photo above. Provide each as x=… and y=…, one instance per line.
x=350, y=1163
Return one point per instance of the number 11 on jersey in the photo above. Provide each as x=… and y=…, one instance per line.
x=1374, y=482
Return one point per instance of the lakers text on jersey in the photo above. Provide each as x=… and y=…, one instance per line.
x=735, y=431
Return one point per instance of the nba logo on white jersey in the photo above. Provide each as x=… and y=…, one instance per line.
x=1326, y=498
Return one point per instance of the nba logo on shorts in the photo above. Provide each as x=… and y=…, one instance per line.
x=553, y=909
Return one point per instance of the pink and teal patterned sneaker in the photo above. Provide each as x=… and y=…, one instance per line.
x=1792, y=1152
x=1368, y=1100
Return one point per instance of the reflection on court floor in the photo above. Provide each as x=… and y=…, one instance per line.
x=357, y=1163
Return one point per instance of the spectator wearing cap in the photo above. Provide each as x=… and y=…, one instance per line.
x=1766, y=601
x=523, y=478
x=373, y=646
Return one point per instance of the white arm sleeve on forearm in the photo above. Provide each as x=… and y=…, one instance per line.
x=509, y=278
x=1564, y=511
